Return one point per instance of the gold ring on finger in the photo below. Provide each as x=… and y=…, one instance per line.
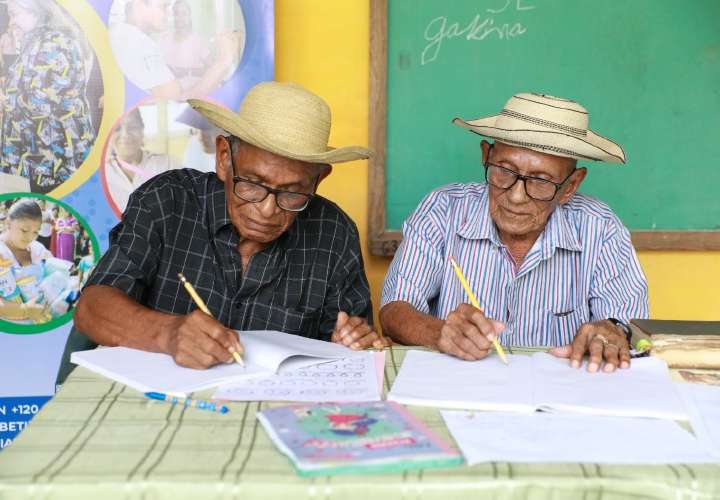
x=602, y=339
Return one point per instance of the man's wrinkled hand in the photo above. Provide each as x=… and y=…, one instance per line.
x=468, y=333
x=355, y=332
x=602, y=341
x=199, y=341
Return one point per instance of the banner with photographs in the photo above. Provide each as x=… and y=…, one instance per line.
x=92, y=105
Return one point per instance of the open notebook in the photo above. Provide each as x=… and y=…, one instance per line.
x=266, y=352
x=537, y=382
x=359, y=378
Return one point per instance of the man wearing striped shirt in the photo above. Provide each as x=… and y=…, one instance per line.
x=550, y=267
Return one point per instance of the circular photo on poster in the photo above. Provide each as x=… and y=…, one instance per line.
x=150, y=139
x=176, y=49
x=47, y=252
x=51, y=93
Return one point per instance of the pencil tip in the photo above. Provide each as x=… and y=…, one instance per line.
x=182, y=277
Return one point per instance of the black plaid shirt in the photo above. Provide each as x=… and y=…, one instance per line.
x=178, y=222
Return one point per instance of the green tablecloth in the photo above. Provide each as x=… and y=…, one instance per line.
x=99, y=439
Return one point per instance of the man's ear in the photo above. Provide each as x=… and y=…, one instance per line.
x=573, y=184
x=324, y=172
x=222, y=157
x=485, y=148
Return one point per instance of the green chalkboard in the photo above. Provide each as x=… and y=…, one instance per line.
x=648, y=71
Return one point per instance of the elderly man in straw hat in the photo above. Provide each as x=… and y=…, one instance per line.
x=259, y=246
x=549, y=266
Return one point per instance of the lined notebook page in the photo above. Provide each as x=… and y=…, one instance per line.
x=643, y=390
x=434, y=379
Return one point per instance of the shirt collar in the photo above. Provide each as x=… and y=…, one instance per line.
x=559, y=233
x=218, y=214
x=477, y=223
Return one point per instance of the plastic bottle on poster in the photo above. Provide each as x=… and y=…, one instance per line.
x=63, y=302
x=53, y=286
x=9, y=290
x=53, y=265
x=29, y=289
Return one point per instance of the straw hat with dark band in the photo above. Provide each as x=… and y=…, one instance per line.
x=285, y=119
x=547, y=124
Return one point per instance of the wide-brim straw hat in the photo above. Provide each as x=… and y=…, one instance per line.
x=285, y=119
x=547, y=124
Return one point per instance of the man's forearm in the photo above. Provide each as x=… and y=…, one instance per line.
x=406, y=325
x=109, y=317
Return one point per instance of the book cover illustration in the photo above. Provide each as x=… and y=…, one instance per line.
x=333, y=438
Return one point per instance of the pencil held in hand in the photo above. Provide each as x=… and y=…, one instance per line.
x=475, y=303
x=204, y=308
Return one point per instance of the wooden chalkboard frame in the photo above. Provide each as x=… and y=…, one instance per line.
x=384, y=242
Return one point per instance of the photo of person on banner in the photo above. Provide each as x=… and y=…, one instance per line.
x=181, y=61
x=200, y=149
x=128, y=163
x=47, y=127
x=38, y=283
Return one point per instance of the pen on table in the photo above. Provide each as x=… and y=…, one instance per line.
x=474, y=302
x=192, y=403
x=204, y=308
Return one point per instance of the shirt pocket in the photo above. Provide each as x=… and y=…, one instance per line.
x=562, y=325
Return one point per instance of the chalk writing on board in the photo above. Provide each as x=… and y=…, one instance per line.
x=479, y=28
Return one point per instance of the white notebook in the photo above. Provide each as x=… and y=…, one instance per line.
x=537, y=382
x=266, y=352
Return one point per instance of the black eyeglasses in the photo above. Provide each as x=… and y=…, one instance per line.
x=535, y=187
x=255, y=192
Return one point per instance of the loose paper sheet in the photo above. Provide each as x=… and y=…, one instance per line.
x=703, y=403
x=546, y=437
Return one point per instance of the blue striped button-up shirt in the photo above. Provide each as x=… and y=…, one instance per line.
x=582, y=268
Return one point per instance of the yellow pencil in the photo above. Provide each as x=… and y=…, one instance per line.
x=204, y=308
x=474, y=302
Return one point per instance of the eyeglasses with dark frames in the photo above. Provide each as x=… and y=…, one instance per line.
x=535, y=187
x=256, y=192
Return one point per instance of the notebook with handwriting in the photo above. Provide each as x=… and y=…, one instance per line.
x=537, y=382
x=266, y=352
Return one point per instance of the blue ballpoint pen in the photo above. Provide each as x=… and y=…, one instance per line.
x=193, y=403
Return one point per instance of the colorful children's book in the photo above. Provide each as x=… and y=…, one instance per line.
x=332, y=438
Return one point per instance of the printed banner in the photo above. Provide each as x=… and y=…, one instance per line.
x=92, y=105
